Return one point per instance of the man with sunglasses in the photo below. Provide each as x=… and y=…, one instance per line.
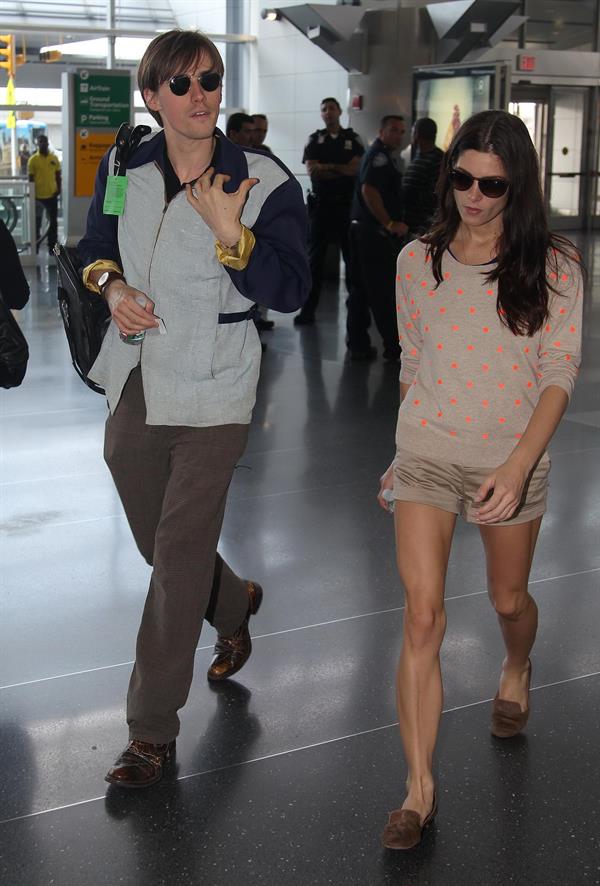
x=184, y=244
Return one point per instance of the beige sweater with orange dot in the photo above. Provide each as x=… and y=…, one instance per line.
x=474, y=384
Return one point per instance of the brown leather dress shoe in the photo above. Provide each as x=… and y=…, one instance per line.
x=405, y=828
x=507, y=717
x=232, y=653
x=141, y=764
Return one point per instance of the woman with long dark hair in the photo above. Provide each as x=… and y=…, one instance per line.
x=489, y=314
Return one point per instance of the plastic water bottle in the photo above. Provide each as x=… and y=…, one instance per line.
x=388, y=496
x=137, y=337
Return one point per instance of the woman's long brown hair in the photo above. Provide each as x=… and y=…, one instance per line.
x=528, y=252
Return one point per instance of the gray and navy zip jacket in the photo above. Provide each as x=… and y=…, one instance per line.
x=204, y=371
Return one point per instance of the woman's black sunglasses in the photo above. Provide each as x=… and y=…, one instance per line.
x=180, y=84
x=489, y=186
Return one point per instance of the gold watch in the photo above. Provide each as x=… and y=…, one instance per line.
x=106, y=278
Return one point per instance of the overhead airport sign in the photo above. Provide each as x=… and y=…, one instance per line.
x=90, y=148
x=101, y=101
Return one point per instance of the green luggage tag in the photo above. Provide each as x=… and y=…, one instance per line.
x=114, y=197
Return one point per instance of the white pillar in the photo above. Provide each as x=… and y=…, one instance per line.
x=110, y=23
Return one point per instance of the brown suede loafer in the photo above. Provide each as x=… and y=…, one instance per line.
x=507, y=717
x=405, y=828
x=232, y=653
x=141, y=764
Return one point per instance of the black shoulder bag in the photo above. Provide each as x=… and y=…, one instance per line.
x=85, y=315
x=14, y=352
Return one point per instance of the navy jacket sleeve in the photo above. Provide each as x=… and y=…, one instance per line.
x=14, y=287
x=374, y=172
x=100, y=240
x=277, y=274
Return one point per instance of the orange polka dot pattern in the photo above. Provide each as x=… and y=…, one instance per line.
x=474, y=384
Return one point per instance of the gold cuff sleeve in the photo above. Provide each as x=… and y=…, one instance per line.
x=100, y=265
x=238, y=256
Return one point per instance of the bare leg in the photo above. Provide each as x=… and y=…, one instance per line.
x=509, y=553
x=423, y=539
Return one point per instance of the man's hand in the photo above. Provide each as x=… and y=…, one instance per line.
x=125, y=305
x=220, y=211
x=398, y=229
x=323, y=170
x=507, y=483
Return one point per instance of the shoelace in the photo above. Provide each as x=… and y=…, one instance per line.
x=230, y=644
x=134, y=751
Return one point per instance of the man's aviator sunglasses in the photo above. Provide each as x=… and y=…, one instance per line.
x=489, y=186
x=209, y=81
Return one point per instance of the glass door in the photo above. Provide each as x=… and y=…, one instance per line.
x=556, y=118
x=595, y=153
x=566, y=173
x=531, y=106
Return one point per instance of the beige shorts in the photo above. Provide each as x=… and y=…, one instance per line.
x=452, y=487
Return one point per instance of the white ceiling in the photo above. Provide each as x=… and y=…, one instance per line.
x=553, y=24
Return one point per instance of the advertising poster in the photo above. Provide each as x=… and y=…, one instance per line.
x=452, y=100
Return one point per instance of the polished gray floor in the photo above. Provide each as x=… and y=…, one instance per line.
x=286, y=775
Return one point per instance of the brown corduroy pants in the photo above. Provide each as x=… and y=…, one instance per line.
x=173, y=484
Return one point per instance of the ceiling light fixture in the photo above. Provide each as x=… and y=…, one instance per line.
x=127, y=48
x=270, y=15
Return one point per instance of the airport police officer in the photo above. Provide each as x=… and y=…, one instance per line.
x=377, y=233
x=332, y=160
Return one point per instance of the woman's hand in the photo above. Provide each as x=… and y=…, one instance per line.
x=131, y=309
x=386, y=481
x=220, y=211
x=507, y=483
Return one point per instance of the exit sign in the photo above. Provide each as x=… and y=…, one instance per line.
x=526, y=63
